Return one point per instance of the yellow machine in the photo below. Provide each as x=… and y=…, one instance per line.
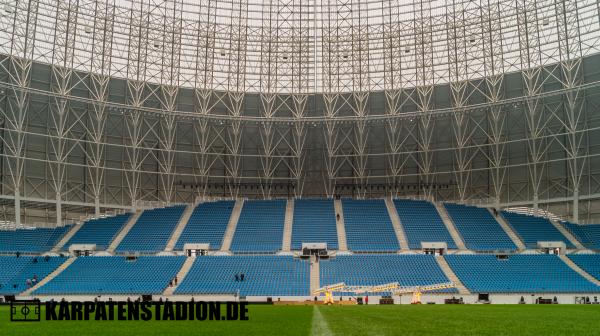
x=393, y=287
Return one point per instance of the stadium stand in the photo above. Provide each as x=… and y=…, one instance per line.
x=422, y=223
x=359, y=270
x=207, y=224
x=99, y=231
x=518, y=274
x=152, y=230
x=588, y=235
x=368, y=226
x=31, y=240
x=478, y=228
x=588, y=262
x=115, y=275
x=260, y=227
x=314, y=221
x=533, y=229
x=14, y=271
x=263, y=276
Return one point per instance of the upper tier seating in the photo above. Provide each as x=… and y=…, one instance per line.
x=99, y=231
x=263, y=276
x=14, y=271
x=207, y=224
x=422, y=223
x=115, y=275
x=478, y=228
x=314, y=222
x=534, y=229
x=31, y=240
x=368, y=270
x=588, y=235
x=518, y=274
x=260, y=227
x=152, y=231
x=588, y=262
x=368, y=226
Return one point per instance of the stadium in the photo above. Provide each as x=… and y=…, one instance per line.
x=337, y=167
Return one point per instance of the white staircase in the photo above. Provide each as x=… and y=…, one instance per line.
x=233, y=220
x=49, y=277
x=567, y=234
x=187, y=265
x=287, y=227
x=124, y=231
x=509, y=231
x=61, y=243
x=185, y=217
x=450, y=225
x=451, y=276
x=579, y=270
x=314, y=274
x=341, y=228
x=389, y=203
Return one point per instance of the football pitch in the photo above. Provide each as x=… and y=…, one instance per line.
x=346, y=321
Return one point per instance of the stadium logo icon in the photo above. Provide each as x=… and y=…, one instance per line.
x=25, y=311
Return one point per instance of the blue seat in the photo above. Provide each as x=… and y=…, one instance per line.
x=260, y=227
x=422, y=223
x=314, y=222
x=114, y=275
x=14, y=271
x=478, y=228
x=100, y=231
x=33, y=240
x=588, y=262
x=533, y=229
x=263, y=276
x=369, y=270
x=518, y=274
x=588, y=235
x=368, y=226
x=207, y=224
x=152, y=231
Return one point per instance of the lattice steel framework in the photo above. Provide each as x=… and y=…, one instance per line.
x=109, y=104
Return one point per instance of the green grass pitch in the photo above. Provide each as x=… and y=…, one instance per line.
x=346, y=321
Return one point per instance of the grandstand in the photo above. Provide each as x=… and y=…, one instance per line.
x=302, y=144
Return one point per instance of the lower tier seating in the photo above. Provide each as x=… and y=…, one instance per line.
x=518, y=274
x=115, y=275
x=361, y=270
x=263, y=276
x=14, y=272
x=31, y=240
x=588, y=262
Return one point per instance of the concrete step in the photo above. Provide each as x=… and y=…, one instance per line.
x=509, y=230
x=233, y=220
x=567, y=234
x=341, y=228
x=450, y=225
x=50, y=276
x=314, y=274
x=124, y=231
x=185, y=269
x=396, y=223
x=451, y=275
x=287, y=226
x=65, y=239
x=185, y=217
x=579, y=270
